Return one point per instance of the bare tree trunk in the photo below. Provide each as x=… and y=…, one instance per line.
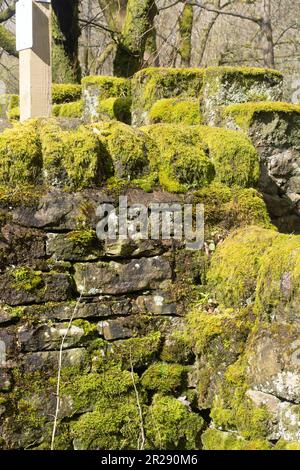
x=267, y=35
x=185, y=30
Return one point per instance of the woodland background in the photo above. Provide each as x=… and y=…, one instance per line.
x=119, y=37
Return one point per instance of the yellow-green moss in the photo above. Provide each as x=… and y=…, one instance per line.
x=108, y=87
x=115, y=109
x=66, y=93
x=235, y=266
x=127, y=148
x=164, y=378
x=214, y=439
x=139, y=352
x=8, y=103
x=244, y=114
x=26, y=279
x=228, y=208
x=152, y=84
x=235, y=159
x=170, y=425
x=286, y=445
x=245, y=79
x=278, y=284
x=232, y=327
x=75, y=159
x=20, y=154
x=262, y=73
x=14, y=114
x=179, y=156
x=69, y=110
x=176, y=111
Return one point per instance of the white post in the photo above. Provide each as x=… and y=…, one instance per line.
x=33, y=32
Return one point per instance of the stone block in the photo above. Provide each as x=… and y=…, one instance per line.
x=228, y=85
x=152, y=84
x=120, y=278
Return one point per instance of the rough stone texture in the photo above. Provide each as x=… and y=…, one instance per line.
x=50, y=287
x=226, y=85
x=151, y=85
x=274, y=131
x=97, y=89
x=116, y=278
x=274, y=364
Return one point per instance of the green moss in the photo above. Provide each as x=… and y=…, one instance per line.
x=262, y=73
x=21, y=194
x=204, y=327
x=112, y=428
x=235, y=266
x=14, y=114
x=286, y=445
x=176, y=348
x=214, y=439
x=235, y=159
x=164, y=378
x=66, y=93
x=170, y=425
x=244, y=114
x=139, y=352
x=75, y=159
x=152, y=84
x=278, y=285
x=179, y=156
x=127, y=147
x=176, y=111
x=228, y=208
x=26, y=279
x=185, y=23
x=8, y=103
x=69, y=110
x=118, y=109
x=20, y=154
x=108, y=87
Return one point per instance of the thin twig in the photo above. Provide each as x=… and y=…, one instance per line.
x=142, y=438
x=57, y=409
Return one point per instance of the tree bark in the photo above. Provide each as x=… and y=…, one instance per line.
x=267, y=35
x=185, y=31
x=65, y=33
x=138, y=25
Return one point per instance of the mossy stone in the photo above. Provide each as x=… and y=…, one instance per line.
x=176, y=111
x=152, y=84
x=235, y=266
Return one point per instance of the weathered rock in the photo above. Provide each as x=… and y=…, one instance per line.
x=23, y=246
x=274, y=131
x=158, y=303
x=22, y=287
x=225, y=85
x=116, y=278
x=152, y=84
x=5, y=380
x=285, y=416
x=99, y=88
x=115, y=329
x=274, y=361
x=49, y=360
x=47, y=338
x=105, y=307
x=74, y=246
